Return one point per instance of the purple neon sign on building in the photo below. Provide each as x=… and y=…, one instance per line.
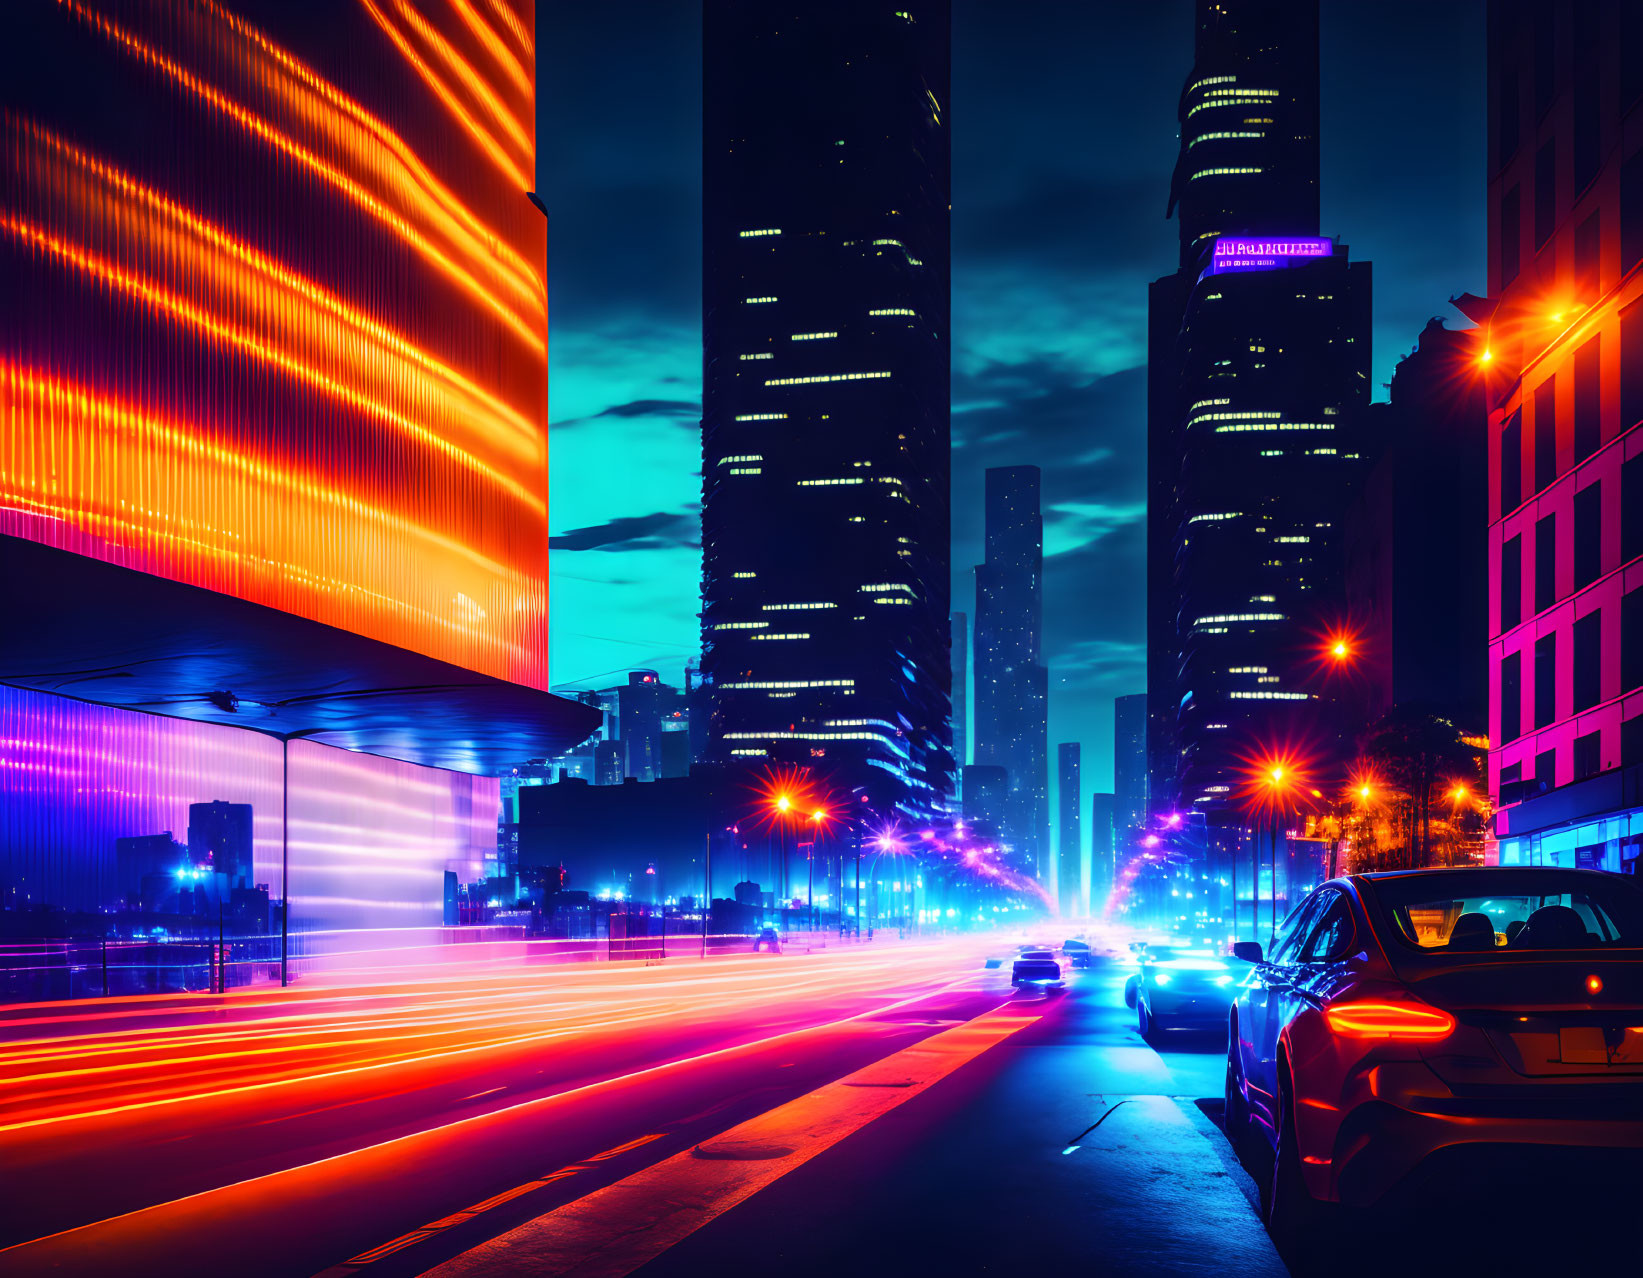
x=1235, y=253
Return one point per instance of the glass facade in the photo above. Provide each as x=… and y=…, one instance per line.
x=1612, y=843
x=276, y=311
x=274, y=328
x=137, y=828
x=825, y=466
x=1258, y=372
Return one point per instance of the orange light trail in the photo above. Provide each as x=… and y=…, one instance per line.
x=391, y=359
x=439, y=1027
x=494, y=45
x=907, y=976
x=410, y=195
x=516, y=28
x=373, y=131
x=242, y=339
x=475, y=85
x=354, y=432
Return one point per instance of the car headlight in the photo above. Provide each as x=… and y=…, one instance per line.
x=1161, y=978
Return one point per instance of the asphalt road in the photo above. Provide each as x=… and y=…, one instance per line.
x=878, y=1110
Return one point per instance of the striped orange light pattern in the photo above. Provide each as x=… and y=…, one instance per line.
x=287, y=338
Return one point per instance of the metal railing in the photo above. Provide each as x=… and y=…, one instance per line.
x=52, y=970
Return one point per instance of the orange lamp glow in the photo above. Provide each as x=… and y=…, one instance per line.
x=1415, y=1021
x=1594, y=984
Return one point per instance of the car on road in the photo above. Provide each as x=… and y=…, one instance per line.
x=1036, y=967
x=1407, y=1031
x=1077, y=952
x=1179, y=988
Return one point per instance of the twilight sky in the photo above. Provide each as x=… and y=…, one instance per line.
x=1064, y=136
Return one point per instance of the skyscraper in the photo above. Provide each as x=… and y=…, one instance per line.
x=1417, y=570
x=1565, y=382
x=1129, y=759
x=1102, y=834
x=961, y=695
x=1071, y=884
x=1011, y=683
x=825, y=466
x=642, y=703
x=274, y=445
x=221, y=835
x=1258, y=366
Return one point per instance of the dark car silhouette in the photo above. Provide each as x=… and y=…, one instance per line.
x=1416, y=1030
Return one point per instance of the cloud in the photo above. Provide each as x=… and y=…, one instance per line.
x=686, y=413
x=687, y=409
x=633, y=532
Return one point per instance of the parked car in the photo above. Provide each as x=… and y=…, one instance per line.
x=1432, y=1027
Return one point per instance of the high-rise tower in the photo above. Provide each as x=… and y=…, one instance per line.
x=1258, y=362
x=1129, y=759
x=825, y=465
x=1072, y=886
x=1011, y=683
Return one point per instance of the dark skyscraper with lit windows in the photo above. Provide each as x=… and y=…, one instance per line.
x=1011, y=681
x=1072, y=887
x=1259, y=358
x=825, y=467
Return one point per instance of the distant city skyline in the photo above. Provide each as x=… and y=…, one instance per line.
x=1056, y=232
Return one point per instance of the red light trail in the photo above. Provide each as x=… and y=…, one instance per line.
x=284, y=1081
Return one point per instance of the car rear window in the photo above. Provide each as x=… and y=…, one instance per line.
x=1510, y=911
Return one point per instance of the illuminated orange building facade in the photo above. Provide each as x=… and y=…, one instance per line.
x=278, y=318
x=273, y=456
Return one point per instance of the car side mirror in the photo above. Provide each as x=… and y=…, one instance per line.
x=1249, y=951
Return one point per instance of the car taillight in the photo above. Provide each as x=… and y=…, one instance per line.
x=1389, y=1020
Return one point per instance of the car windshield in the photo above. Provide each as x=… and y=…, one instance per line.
x=1509, y=911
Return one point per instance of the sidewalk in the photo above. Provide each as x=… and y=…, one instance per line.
x=995, y=1172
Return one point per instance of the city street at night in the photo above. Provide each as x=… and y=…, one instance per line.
x=821, y=638
x=441, y=1117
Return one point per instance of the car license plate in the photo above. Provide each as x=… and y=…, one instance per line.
x=1597, y=1045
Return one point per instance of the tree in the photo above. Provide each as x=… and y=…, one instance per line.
x=1419, y=759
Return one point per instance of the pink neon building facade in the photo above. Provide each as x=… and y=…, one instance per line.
x=1565, y=369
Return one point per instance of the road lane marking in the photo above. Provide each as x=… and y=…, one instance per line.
x=614, y=1230
x=469, y=1213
